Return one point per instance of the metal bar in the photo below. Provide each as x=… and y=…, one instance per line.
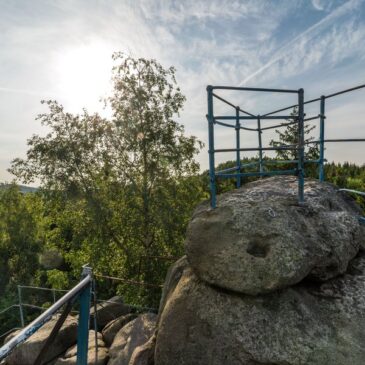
x=20, y=306
x=84, y=321
x=95, y=317
x=52, y=336
x=8, y=308
x=312, y=118
x=238, y=146
x=274, y=162
x=43, y=318
x=259, y=132
x=257, y=173
x=128, y=281
x=338, y=140
x=278, y=125
x=224, y=124
x=362, y=220
x=232, y=105
x=301, y=146
x=249, y=164
x=213, y=198
x=248, y=117
x=228, y=169
x=346, y=140
x=345, y=91
x=233, y=126
x=287, y=147
x=253, y=89
x=41, y=288
x=353, y=191
x=321, y=139
x=224, y=100
x=317, y=99
x=9, y=331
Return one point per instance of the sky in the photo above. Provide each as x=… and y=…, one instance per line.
x=61, y=49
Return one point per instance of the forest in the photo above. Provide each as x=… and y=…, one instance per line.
x=116, y=194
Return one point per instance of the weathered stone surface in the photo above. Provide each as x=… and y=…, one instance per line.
x=27, y=353
x=259, y=239
x=108, y=311
x=113, y=327
x=132, y=335
x=310, y=323
x=144, y=354
x=173, y=277
x=70, y=357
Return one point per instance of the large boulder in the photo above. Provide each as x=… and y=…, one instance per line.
x=26, y=353
x=107, y=311
x=132, y=335
x=70, y=357
x=144, y=354
x=311, y=323
x=113, y=327
x=259, y=239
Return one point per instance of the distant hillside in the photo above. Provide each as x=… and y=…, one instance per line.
x=24, y=189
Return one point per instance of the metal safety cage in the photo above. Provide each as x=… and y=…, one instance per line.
x=241, y=115
x=82, y=293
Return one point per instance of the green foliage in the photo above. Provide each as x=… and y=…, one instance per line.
x=19, y=237
x=118, y=192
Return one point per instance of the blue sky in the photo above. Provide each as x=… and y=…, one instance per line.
x=62, y=50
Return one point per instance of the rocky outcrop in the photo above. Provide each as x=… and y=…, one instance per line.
x=70, y=357
x=268, y=281
x=112, y=328
x=108, y=311
x=312, y=324
x=27, y=353
x=144, y=354
x=132, y=335
x=259, y=239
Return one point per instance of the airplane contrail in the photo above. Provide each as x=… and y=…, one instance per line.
x=281, y=52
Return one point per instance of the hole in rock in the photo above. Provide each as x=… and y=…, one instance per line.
x=258, y=249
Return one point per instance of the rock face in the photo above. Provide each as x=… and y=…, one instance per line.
x=268, y=281
x=108, y=311
x=134, y=334
x=113, y=327
x=27, y=353
x=259, y=239
x=310, y=323
x=70, y=357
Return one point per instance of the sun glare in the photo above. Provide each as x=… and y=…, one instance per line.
x=82, y=75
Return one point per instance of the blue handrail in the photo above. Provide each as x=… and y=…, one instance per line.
x=81, y=291
x=299, y=171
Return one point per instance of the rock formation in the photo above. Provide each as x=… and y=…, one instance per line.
x=268, y=281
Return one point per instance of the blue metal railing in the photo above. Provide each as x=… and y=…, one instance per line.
x=81, y=292
x=236, y=171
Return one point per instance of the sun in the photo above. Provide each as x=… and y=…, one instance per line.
x=82, y=75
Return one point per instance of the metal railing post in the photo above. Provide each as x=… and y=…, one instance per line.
x=21, y=313
x=321, y=139
x=301, y=145
x=260, y=142
x=210, y=116
x=238, y=146
x=84, y=320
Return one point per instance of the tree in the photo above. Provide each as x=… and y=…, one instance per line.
x=289, y=136
x=120, y=192
x=20, y=240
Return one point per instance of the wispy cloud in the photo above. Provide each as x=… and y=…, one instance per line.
x=303, y=38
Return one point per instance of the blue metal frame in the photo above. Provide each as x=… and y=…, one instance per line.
x=82, y=291
x=300, y=146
